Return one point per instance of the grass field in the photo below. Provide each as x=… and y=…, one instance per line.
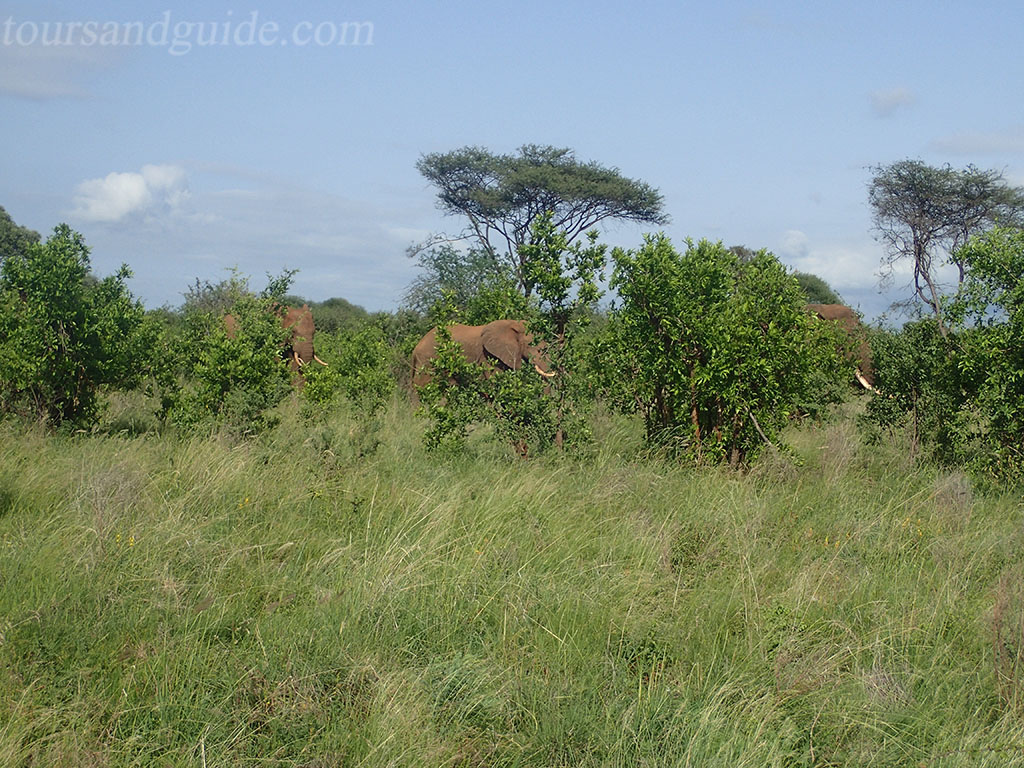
x=286, y=601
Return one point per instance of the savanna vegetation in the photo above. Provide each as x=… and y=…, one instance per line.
x=695, y=544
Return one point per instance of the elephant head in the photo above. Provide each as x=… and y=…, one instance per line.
x=298, y=321
x=850, y=323
x=503, y=344
x=299, y=347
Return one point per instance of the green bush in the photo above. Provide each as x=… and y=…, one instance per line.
x=920, y=389
x=64, y=334
x=716, y=353
x=566, y=277
x=454, y=398
x=211, y=378
x=321, y=387
x=994, y=350
x=363, y=364
x=522, y=411
x=526, y=411
x=816, y=290
x=359, y=368
x=960, y=394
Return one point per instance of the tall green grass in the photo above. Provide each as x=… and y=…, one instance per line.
x=318, y=598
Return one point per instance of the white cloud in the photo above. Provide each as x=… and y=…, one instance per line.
x=42, y=73
x=259, y=224
x=885, y=103
x=843, y=267
x=154, y=189
x=1010, y=141
x=794, y=244
x=852, y=271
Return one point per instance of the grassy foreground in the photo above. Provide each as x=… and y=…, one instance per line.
x=287, y=602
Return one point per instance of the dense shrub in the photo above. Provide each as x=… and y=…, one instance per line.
x=359, y=367
x=64, y=334
x=454, y=398
x=211, y=378
x=716, y=353
x=993, y=298
x=961, y=394
x=919, y=388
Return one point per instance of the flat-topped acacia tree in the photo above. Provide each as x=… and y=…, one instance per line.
x=924, y=215
x=501, y=196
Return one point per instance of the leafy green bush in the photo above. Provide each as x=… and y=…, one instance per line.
x=830, y=381
x=337, y=314
x=497, y=298
x=321, y=387
x=359, y=367
x=64, y=334
x=994, y=352
x=454, y=398
x=816, y=290
x=919, y=388
x=461, y=394
x=529, y=412
x=715, y=353
x=960, y=394
x=14, y=238
x=522, y=411
x=566, y=279
x=213, y=378
x=363, y=364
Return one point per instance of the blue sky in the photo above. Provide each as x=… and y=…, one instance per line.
x=758, y=122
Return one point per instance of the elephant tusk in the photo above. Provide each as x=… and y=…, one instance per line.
x=298, y=360
x=321, y=361
x=543, y=373
x=864, y=382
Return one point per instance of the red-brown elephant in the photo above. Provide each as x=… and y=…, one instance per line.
x=298, y=349
x=850, y=323
x=503, y=344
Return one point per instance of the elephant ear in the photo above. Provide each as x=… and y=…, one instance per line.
x=501, y=340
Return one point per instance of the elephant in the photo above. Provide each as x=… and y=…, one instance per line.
x=850, y=322
x=502, y=344
x=298, y=349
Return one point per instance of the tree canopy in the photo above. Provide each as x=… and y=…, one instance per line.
x=816, y=289
x=14, y=239
x=925, y=214
x=715, y=352
x=960, y=394
x=337, y=313
x=64, y=335
x=446, y=271
x=502, y=195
